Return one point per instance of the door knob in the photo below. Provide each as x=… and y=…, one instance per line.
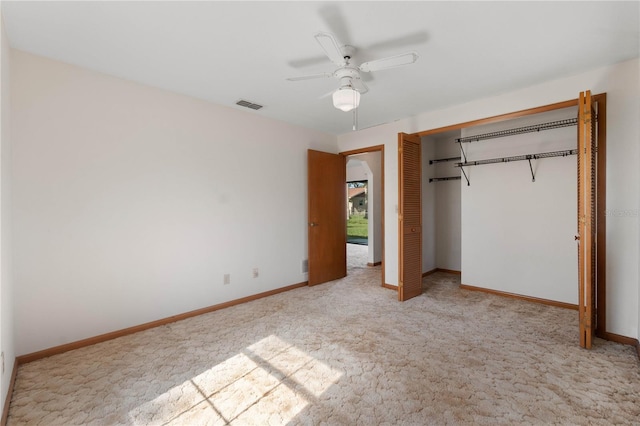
x=313, y=224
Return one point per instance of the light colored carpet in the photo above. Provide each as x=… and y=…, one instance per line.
x=357, y=256
x=343, y=353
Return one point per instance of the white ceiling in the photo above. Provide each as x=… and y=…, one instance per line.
x=226, y=51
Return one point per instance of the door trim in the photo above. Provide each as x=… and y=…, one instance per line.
x=376, y=148
x=503, y=117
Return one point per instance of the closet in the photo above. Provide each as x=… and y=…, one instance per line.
x=499, y=205
x=532, y=207
x=441, y=203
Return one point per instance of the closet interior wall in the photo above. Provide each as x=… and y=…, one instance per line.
x=441, y=204
x=518, y=235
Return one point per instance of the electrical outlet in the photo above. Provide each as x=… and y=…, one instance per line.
x=227, y=279
x=256, y=272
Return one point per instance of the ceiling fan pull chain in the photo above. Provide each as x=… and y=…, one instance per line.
x=355, y=116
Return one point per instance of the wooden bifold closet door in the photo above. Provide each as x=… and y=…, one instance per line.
x=586, y=237
x=409, y=216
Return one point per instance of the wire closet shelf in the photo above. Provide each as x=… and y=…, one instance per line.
x=512, y=132
x=520, y=130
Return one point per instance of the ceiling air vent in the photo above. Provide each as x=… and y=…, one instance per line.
x=248, y=104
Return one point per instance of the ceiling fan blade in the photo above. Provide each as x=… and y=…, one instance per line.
x=326, y=95
x=331, y=48
x=390, y=62
x=367, y=77
x=359, y=85
x=306, y=62
x=311, y=76
x=418, y=37
x=335, y=21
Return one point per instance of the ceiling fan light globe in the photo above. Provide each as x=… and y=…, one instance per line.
x=346, y=99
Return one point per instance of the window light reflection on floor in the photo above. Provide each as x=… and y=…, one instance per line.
x=269, y=382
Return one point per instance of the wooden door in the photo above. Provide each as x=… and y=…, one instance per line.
x=409, y=216
x=586, y=218
x=327, y=226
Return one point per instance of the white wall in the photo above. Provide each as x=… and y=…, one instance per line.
x=7, y=342
x=518, y=235
x=130, y=203
x=429, y=207
x=448, y=206
x=440, y=205
x=355, y=171
x=621, y=84
x=374, y=162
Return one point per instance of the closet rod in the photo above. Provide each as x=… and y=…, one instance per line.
x=443, y=160
x=519, y=158
x=520, y=130
x=444, y=178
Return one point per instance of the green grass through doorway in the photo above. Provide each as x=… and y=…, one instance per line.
x=358, y=229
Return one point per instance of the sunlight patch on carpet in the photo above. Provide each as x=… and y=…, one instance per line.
x=270, y=381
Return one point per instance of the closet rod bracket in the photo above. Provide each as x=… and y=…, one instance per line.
x=465, y=176
x=462, y=150
x=533, y=176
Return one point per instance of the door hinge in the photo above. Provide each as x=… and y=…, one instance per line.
x=586, y=322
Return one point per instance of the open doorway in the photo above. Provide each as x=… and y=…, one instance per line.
x=357, y=209
x=327, y=218
x=365, y=217
x=363, y=210
x=357, y=214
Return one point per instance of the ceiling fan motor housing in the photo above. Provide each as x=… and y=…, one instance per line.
x=348, y=52
x=346, y=75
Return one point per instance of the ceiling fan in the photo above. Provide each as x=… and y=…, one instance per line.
x=347, y=96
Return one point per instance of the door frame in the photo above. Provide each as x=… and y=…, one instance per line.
x=601, y=199
x=376, y=148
